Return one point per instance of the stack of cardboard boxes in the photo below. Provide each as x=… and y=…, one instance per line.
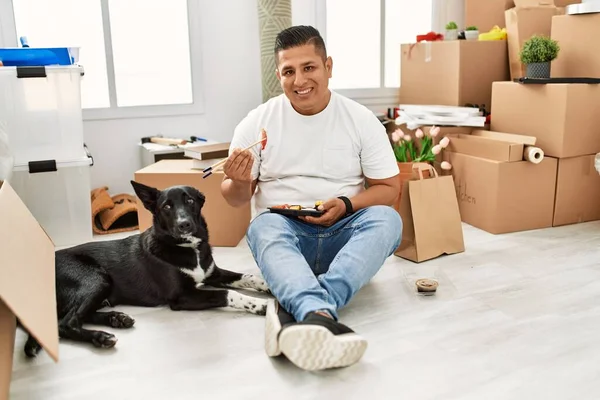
x=498, y=189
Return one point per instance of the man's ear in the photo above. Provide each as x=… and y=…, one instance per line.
x=329, y=66
x=148, y=195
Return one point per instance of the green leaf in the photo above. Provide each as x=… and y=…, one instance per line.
x=539, y=49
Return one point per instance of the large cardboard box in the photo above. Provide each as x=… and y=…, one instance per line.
x=577, y=191
x=451, y=72
x=563, y=117
x=575, y=35
x=484, y=14
x=27, y=282
x=502, y=197
x=227, y=225
x=521, y=24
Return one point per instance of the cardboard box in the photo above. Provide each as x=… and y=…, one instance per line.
x=227, y=225
x=486, y=148
x=521, y=24
x=506, y=137
x=484, y=14
x=502, y=197
x=577, y=191
x=535, y=3
x=451, y=72
x=27, y=282
x=574, y=34
x=563, y=117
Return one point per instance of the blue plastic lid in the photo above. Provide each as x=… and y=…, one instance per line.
x=27, y=56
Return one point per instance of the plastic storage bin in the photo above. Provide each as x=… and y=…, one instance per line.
x=60, y=200
x=41, y=109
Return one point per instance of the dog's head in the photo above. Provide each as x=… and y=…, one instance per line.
x=176, y=211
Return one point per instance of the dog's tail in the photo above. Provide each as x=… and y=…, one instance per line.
x=32, y=346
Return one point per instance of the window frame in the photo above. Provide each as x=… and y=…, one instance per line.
x=8, y=37
x=368, y=96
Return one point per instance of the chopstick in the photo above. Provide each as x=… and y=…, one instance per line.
x=209, y=170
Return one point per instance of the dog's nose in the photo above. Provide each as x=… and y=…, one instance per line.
x=184, y=226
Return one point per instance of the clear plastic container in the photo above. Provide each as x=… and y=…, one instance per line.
x=6, y=157
x=60, y=200
x=42, y=115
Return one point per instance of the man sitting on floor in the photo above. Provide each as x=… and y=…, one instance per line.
x=320, y=146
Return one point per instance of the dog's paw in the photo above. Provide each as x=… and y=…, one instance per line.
x=261, y=309
x=104, y=340
x=249, y=281
x=121, y=320
x=250, y=304
x=32, y=347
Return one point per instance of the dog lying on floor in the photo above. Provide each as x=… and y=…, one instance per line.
x=165, y=265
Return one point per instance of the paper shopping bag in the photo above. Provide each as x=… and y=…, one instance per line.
x=430, y=215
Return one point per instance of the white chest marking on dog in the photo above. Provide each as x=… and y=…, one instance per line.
x=192, y=241
x=198, y=274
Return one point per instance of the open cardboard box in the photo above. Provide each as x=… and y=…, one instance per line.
x=27, y=282
x=451, y=73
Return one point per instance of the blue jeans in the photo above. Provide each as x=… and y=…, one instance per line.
x=312, y=267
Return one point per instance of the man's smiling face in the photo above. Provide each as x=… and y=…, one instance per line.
x=304, y=76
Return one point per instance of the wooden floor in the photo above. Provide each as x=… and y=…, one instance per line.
x=516, y=317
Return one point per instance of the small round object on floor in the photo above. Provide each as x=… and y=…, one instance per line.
x=426, y=286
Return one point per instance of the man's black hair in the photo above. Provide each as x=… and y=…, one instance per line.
x=298, y=36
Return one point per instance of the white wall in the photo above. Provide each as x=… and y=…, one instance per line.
x=446, y=11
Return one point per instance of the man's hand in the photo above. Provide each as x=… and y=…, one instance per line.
x=238, y=166
x=334, y=210
x=238, y=187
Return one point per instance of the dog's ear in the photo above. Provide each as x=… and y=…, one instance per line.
x=148, y=195
x=200, y=198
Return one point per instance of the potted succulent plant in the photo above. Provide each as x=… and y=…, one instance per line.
x=471, y=33
x=537, y=53
x=451, y=31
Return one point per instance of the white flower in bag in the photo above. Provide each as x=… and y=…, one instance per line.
x=6, y=157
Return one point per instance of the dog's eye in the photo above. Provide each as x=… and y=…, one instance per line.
x=190, y=201
x=167, y=207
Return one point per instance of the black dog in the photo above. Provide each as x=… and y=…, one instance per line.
x=165, y=265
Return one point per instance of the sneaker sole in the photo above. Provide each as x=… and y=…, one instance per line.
x=315, y=348
x=272, y=329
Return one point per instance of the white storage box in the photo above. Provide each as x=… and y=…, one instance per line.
x=41, y=109
x=59, y=199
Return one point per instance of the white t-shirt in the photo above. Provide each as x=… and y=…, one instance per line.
x=316, y=157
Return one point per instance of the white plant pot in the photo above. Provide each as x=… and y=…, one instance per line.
x=451, y=34
x=472, y=35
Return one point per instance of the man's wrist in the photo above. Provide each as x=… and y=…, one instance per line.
x=348, y=204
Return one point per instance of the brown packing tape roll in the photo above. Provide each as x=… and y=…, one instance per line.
x=533, y=154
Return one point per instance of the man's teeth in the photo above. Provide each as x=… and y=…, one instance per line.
x=303, y=91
